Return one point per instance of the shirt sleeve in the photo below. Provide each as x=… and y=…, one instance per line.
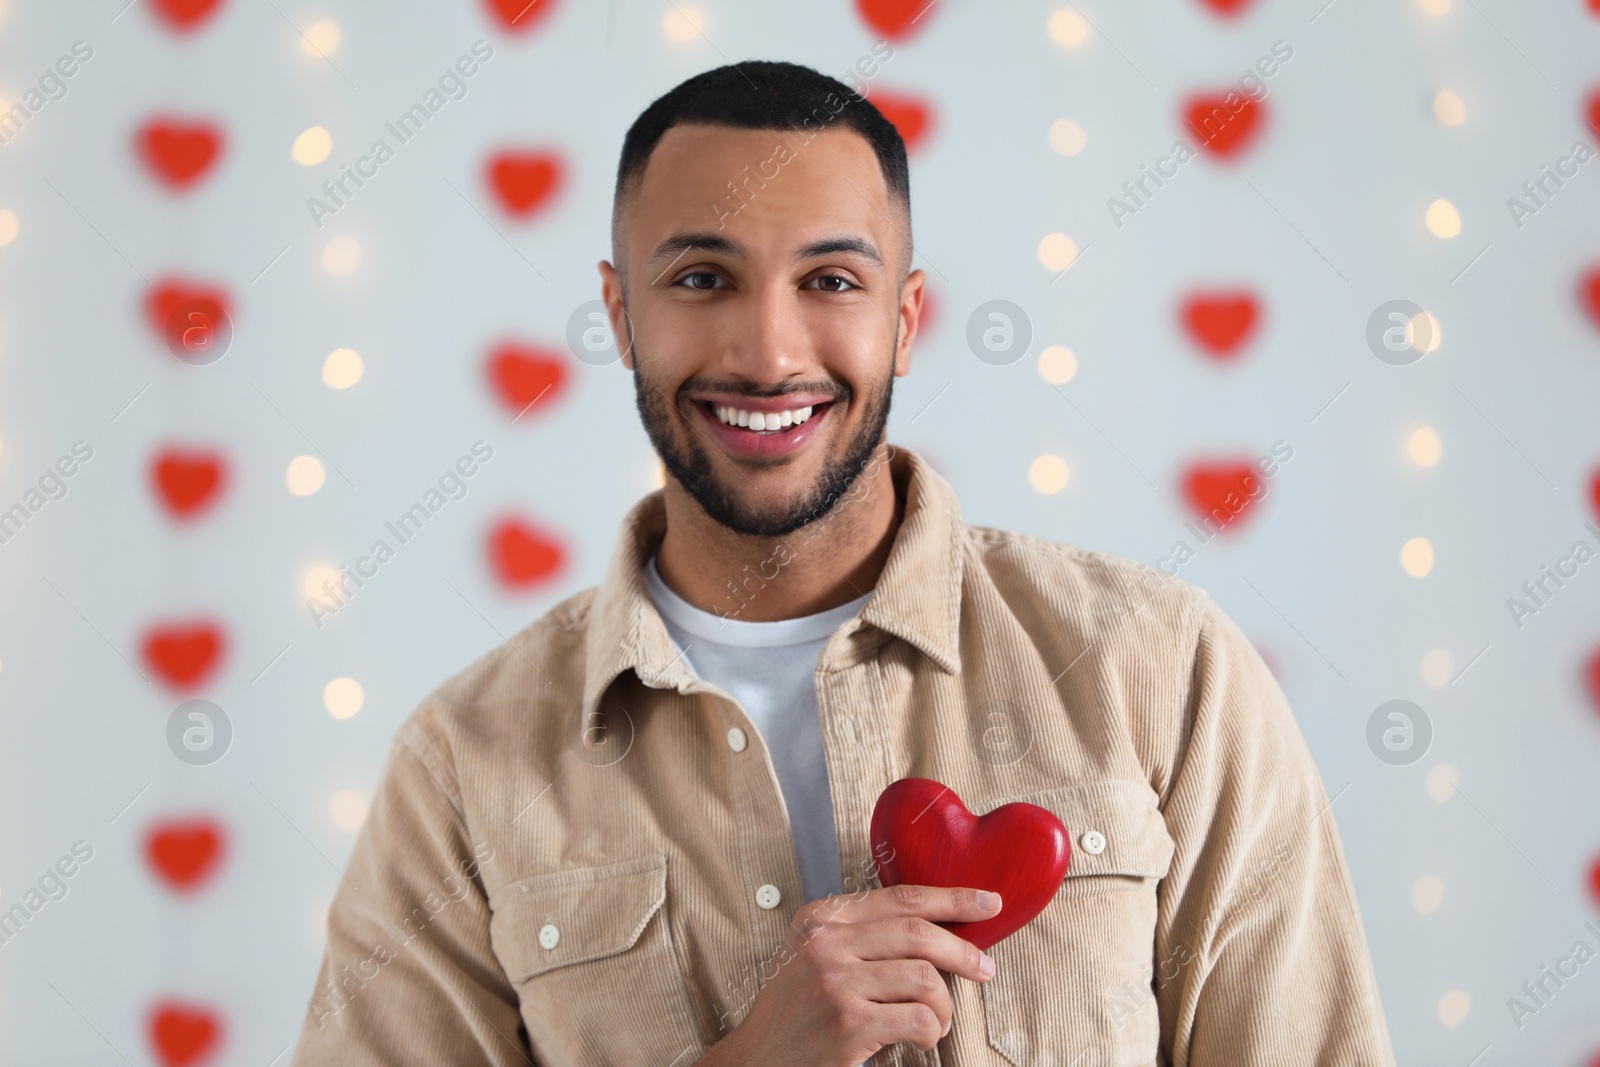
x=1260, y=953
x=409, y=975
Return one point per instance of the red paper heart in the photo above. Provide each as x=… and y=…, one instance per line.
x=177, y=152
x=895, y=18
x=188, y=481
x=1223, y=131
x=1592, y=110
x=184, y=654
x=525, y=378
x=522, y=555
x=1592, y=676
x=524, y=181
x=923, y=835
x=1589, y=293
x=1594, y=879
x=170, y=294
x=1594, y=491
x=1227, y=8
x=184, y=1034
x=185, y=15
x=185, y=853
x=1220, y=322
x=1220, y=491
x=912, y=117
x=520, y=16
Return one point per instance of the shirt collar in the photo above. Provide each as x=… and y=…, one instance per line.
x=917, y=597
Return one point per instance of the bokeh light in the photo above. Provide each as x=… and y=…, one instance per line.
x=343, y=697
x=1048, y=474
x=305, y=475
x=1068, y=28
x=1424, y=446
x=1416, y=557
x=1058, y=364
x=1449, y=108
x=342, y=368
x=1067, y=138
x=1057, y=251
x=1443, y=219
x=312, y=147
x=321, y=38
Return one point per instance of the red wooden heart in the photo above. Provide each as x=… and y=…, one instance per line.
x=522, y=555
x=524, y=181
x=923, y=835
x=912, y=117
x=1224, y=131
x=524, y=377
x=1220, y=322
x=177, y=152
x=187, y=481
x=520, y=16
x=185, y=853
x=185, y=15
x=184, y=1034
x=1589, y=293
x=184, y=654
x=896, y=18
x=1221, y=491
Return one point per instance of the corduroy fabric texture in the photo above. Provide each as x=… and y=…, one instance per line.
x=560, y=865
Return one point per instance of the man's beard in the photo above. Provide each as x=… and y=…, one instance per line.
x=691, y=466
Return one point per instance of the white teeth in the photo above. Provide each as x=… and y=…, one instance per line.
x=762, y=421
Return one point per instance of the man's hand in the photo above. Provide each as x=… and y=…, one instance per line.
x=859, y=972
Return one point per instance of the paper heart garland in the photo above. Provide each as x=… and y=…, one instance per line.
x=524, y=182
x=1223, y=131
x=184, y=654
x=1592, y=677
x=896, y=19
x=1220, y=491
x=185, y=15
x=522, y=555
x=1589, y=293
x=170, y=294
x=1220, y=322
x=188, y=481
x=520, y=16
x=177, y=152
x=525, y=378
x=910, y=116
x=184, y=853
x=1227, y=8
x=923, y=834
x=183, y=1035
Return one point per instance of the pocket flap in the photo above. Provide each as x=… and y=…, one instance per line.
x=1133, y=835
x=571, y=916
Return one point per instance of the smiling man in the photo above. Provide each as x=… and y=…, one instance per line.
x=637, y=833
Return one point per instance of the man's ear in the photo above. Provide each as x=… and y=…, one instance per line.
x=616, y=312
x=910, y=316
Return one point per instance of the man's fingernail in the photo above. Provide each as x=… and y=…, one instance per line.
x=985, y=965
x=947, y=1027
x=988, y=901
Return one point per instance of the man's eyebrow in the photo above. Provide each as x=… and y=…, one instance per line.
x=710, y=241
x=848, y=244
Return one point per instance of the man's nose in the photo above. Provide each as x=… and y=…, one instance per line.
x=769, y=342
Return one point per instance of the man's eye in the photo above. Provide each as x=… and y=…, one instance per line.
x=825, y=283
x=702, y=279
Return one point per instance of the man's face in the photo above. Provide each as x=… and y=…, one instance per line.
x=790, y=314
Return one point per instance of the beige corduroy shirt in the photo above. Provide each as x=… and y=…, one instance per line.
x=568, y=862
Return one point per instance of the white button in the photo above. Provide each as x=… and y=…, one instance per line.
x=1093, y=842
x=768, y=896
x=549, y=936
x=736, y=739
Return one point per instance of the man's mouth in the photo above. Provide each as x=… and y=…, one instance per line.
x=763, y=421
x=763, y=430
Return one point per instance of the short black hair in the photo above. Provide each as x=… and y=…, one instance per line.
x=763, y=95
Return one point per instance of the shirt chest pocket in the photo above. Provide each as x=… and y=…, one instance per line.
x=590, y=953
x=1076, y=981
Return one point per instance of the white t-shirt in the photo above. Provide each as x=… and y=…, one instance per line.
x=769, y=668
